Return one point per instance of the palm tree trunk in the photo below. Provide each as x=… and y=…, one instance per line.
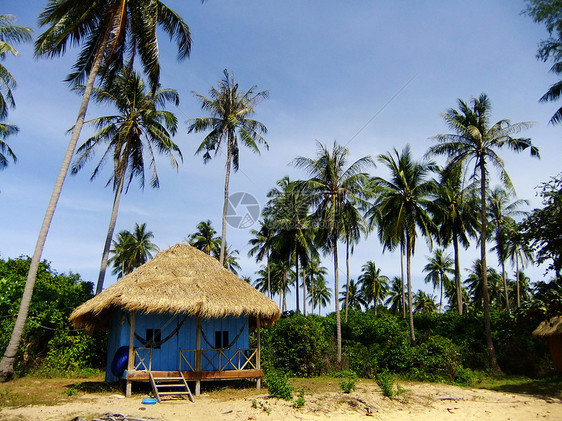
x=268, y=277
x=457, y=274
x=517, y=280
x=403, y=283
x=304, y=295
x=486, y=297
x=504, y=279
x=441, y=293
x=7, y=363
x=110, y=231
x=408, y=274
x=336, y=292
x=225, y=204
x=347, y=275
x=297, y=279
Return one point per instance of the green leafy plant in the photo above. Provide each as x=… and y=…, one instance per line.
x=278, y=384
x=386, y=383
x=299, y=401
x=348, y=385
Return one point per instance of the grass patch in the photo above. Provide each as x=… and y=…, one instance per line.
x=547, y=387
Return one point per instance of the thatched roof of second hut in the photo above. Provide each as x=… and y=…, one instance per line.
x=551, y=327
x=181, y=279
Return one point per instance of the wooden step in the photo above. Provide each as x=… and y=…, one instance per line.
x=164, y=383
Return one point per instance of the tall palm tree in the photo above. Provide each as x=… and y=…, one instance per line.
x=331, y=185
x=262, y=244
x=501, y=215
x=455, y=212
x=519, y=252
x=132, y=249
x=314, y=277
x=395, y=296
x=437, y=268
x=400, y=207
x=476, y=139
x=320, y=295
x=475, y=286
x=354, y=225
x=424, y=302
x=374, y=285
x=353, y=296
x=129, y=137
x=229, y=123
x=204, y=238
x=9, y=36
x=107, y=29
x=294, y=234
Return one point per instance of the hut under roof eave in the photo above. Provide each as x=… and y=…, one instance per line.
x=180, y=280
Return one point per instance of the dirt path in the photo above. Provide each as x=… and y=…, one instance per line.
x=433, y=402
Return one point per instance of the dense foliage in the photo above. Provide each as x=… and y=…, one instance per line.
x=449, y=347
x=49, y=343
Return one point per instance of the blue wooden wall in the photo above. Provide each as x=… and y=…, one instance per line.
x=167, y=357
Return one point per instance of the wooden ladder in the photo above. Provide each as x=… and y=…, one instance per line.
x=170, y=386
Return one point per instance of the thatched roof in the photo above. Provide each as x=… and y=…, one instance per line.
x=549, y=328
x=181, y=279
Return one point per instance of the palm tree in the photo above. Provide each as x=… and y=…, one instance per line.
x=262, y=244
x=475, y=139
x=519, y=252
x=353, y=296
x=5, y=131
x=9, y=34
x=475, y=286
x=455, y=212
x=400, y=207
x=374, y=286
x=354, y=226
x=437, y=268
x=131, y=250
x=294, y=234
x=229, y=122
x=108, y=30
x=424, y=303
x=314, y=278
x=230, y=259
x=320, y=296
x=129, y=137
x=501, y=215
x=331, y=185
x=395, y=295
x=204, y=238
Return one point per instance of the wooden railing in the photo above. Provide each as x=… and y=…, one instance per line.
x=218, y=359
x=142, y=357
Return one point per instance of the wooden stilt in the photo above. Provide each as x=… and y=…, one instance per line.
x=198, y=356
x=131, y=358
x=258, y=354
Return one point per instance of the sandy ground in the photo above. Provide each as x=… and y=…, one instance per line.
x=433, y=402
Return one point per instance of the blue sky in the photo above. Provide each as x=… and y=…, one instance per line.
x=371, y=75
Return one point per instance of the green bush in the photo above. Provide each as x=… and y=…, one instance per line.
x=296, y=345
x=48, y=336
x=386, y=383
x=436, y=359
x=278, y=385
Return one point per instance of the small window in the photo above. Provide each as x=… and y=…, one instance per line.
x=153, y=338
x=221, y=339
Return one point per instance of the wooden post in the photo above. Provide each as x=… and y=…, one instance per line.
x=258, y=353
x=198, y=356
x=131, y=358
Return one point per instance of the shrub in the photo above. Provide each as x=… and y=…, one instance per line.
x=278, y=385
x=436, y=359
x=386, y=383
x=296, y=345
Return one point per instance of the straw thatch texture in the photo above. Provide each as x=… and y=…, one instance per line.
x=181, y=279
x=548, y=328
